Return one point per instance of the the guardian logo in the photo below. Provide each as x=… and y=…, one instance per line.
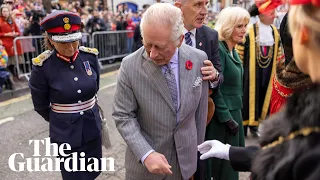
x=36, y=163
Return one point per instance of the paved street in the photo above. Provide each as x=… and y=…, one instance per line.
x=19, y=124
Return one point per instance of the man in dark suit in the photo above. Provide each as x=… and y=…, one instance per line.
x=200, y=36
x=206, y=39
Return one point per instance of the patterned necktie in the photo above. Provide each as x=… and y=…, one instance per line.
x=187, y=37
x=171, y=81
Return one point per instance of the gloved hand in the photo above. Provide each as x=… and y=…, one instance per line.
x=232, y=126
x=214, y=148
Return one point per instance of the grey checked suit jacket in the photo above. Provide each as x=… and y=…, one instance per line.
x=144, y=113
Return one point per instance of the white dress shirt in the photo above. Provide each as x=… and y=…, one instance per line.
x=265, y=34
x=193, y=36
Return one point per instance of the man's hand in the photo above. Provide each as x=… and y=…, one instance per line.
x=209, y=72
x=214, y=148
x=157, y=163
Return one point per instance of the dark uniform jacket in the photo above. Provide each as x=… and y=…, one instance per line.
x=54, y=80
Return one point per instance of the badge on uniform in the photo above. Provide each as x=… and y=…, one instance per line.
x=87, y=68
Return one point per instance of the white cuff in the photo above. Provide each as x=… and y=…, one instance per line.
x=227, y=149
x=147, y=154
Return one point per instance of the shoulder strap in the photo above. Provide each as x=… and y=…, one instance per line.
x=39, y=60
x=89, y=50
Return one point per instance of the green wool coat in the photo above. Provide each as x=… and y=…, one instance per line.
x=228, y=104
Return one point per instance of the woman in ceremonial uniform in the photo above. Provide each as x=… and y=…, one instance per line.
x=259, y=53
x=64, y=83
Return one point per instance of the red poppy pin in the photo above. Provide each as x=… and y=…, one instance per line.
x=189, y=65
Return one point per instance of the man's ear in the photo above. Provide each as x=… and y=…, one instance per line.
x=178, y=4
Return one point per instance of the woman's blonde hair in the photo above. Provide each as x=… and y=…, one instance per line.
x=309, y=16
x=228, y=18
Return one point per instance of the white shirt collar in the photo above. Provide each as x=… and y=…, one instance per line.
x=193, y=31
x=265, y=34
x=193, y=35
x=175, y=58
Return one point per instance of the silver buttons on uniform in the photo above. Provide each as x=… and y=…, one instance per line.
x=79, y=91
x=75, y=79
x=72, y=66
x=79, y=101
x=81, y=113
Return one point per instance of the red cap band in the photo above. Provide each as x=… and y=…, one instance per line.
x=60, y=29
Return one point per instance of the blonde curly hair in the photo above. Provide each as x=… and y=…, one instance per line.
x=308, y=16
x=228, y=19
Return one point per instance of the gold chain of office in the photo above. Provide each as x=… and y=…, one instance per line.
x=263, y=61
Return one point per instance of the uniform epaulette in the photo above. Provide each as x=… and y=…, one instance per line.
x=38, y=61
x=89, y=50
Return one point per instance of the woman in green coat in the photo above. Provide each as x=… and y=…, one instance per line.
x=226, y=125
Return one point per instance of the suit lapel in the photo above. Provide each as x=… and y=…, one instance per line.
x=200, y=40
x=185, y=77
x=155, y=74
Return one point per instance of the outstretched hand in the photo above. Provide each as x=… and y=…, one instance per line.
x=214, y=148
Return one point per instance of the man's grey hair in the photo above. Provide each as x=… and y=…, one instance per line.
x=164, y=14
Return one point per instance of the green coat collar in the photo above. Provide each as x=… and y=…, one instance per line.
x=223, y=46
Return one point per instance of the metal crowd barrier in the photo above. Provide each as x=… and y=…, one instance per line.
x=31, y=47
x=86, y=40
x=111, y=45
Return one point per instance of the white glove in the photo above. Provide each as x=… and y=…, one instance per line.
x=214, y=148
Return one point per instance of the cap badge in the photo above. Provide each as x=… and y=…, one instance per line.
x=67, y=26
x=66, y=20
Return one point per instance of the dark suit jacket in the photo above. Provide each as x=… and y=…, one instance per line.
x=207, y=41
x=241, y=157
x=137, y=39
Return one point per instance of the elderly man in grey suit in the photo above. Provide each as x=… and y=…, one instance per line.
x=160, y=105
